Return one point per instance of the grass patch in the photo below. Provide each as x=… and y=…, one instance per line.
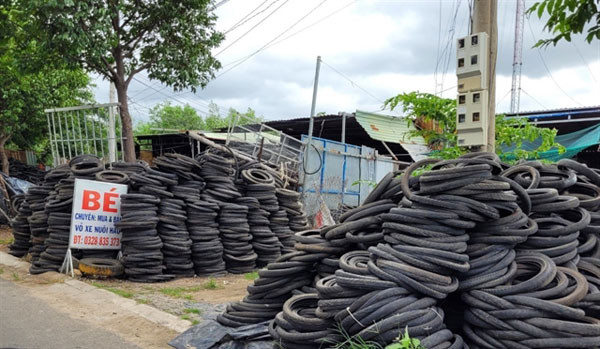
x=184, y=292
x=15, y=276
x=1, y=270
x=180, y=292
x=211, y=284
x=118, y=292
x=192, y=311
x=251, y=276
x=142, y=301
x=189, y=318
x=7, y=241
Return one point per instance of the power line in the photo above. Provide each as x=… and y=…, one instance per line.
x=169, y=97
x=535, y=100
x=501, y=99
x=354, y=83
x=546, y=66
x=274, y=39
x=243, y=20
x=251, y=29
x=585, y=62
x=299, y=31
x=204, y=103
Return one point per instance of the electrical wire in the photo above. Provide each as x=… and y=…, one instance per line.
x=274, y=39
x=299, y=31
x=535, y=100
x=353, y=83
x=501, y=99
x=585, y=62
x=245, y=19
x=546, y=66
x=251, y=29
x=169, y=97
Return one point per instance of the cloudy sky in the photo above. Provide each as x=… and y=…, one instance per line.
x=371, y=50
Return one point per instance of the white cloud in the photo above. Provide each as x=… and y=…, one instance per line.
x=384, y=47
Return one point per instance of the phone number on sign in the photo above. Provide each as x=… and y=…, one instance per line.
x=96, y=241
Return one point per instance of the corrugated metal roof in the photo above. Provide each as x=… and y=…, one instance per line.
x=387, y=128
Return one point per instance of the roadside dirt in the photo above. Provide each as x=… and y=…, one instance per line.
x=193, y=299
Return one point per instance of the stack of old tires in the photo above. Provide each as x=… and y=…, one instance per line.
x=207, y=248
x=289, y=200
x=264, y=242
x=39, y=235
x=434, y=254
x=141, y=244
x=21, y=231
x=59, y=207
x=235, y=235
x=217, y=171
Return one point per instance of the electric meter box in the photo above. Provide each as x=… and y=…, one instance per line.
x=472, y=118
x=472, y=62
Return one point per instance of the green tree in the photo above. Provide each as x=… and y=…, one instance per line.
x=31, y=80
x=426, y=107
x=568, y=17
x=171, y=40
x=167, y=116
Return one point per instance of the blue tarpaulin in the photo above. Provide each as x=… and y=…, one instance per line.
x=574, y=142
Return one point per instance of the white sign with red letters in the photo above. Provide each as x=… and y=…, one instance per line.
x=96, y=209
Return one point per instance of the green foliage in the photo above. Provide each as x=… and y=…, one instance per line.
x=429, y=108
x=211, y=284
x=405, y=342
x=172, y=40
x=568, y=17
x=402, y=342
x=32, y=80
x=509, y=132
x=169, y=117
x=251, y=276
x=370, y=183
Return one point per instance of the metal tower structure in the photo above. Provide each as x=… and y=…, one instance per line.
x=515, y=92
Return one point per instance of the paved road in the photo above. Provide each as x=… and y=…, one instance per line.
x=26, y=322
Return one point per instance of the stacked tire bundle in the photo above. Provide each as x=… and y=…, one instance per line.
x=140, y=244
x=268, y=293
x=298, y=326
x=40, y=233
x=532, y=310
x=260, y=184
x=362, y=225
x=235, y=235
x=264, y=242
x=207, y=248
x=21, y=231
x=217, y=172
x=289, y=200
x=186, y=168
x=177, y=245
x=59, y=207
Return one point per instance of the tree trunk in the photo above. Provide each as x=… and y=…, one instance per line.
x=3, y=157
x=126, y=124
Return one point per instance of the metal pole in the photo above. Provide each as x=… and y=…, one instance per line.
x=344, y=127
x=51, y=140
x=112, y=140
x=311, y=124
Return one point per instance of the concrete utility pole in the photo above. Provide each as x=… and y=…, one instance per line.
x=485, y=19
x=311, y=124
x=112, y=139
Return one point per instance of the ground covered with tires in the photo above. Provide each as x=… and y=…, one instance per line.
x=465, y=253
x=205, y=216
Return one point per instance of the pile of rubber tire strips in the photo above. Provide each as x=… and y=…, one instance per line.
x=464, y=253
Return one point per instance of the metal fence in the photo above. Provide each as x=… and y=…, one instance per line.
x=340, y=174
x=86, y=129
